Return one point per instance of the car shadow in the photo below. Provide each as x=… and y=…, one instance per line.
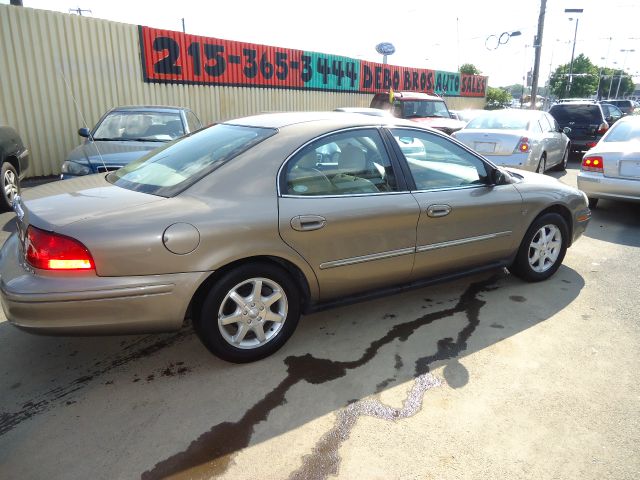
x=338, y=361
x=615, y=222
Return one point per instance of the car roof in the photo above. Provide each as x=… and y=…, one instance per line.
x=148, y=108
x=285, y=119
x=415, y=96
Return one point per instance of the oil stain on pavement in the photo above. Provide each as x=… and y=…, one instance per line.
x=210, y=454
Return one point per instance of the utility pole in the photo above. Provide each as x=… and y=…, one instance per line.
x=183, y=30
x=573, y=50
x=537, y=45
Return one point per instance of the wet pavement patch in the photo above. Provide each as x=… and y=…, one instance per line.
x=211, y=453
x=139, y=349
x=517, y=298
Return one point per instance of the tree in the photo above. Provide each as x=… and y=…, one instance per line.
x=585, y=79
x=497, y=98
x=470, y=69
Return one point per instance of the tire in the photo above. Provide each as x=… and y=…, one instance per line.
x=232, y=297
x=593, y=203
x=542, y=164
x=549, y=260
x=562, y=166
x=10, y=185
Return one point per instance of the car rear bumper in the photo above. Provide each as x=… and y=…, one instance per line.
x=83, y=303
x=596, y=185
x=523, y=161
x=583, y=144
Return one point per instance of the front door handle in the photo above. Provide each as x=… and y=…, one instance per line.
x=438, y=210
x=305, y=223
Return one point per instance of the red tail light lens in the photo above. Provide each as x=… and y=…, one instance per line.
x=591, y=144
x=602, y=129
x=51, y=251
x=592, y=163
x=523, y=146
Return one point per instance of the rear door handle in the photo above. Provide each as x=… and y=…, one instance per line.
x=438, y=210
x=305, y=223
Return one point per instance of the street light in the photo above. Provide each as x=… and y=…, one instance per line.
x=573, y=51
x=625, y=51
x=613, y=75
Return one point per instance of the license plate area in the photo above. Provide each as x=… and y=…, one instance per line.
x=630, y=168
x=485, y=147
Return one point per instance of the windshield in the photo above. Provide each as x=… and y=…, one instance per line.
x=500, y=121
x=623, y=132
x=140, y=126
x=423, y=109
x=171, y=169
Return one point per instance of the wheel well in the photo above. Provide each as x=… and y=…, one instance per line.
x=564, y=213
x=293, y=270
x=13, y=161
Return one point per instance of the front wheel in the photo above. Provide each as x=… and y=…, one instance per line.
x=10, y=185
x=542, y=249
x=249, y=313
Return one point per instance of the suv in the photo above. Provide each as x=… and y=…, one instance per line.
x=428, y=110
x=14, y=158
x=586, y=120
x=611, y=113
x=627, y=106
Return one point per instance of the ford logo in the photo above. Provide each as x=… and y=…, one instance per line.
x=385, y=48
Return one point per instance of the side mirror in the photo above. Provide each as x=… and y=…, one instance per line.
x=497, y=177
x=84, y=132
x=566, y=130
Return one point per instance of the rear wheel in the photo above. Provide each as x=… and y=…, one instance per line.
x=10, y=185
x=593, y=203
x=542, y=164
x=562, y=166
x=542, y=249
x=249, y=313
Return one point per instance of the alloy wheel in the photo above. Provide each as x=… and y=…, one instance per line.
x=10, y=185
x=545, y=248
x=252, y=313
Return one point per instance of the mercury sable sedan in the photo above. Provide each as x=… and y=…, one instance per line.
x=247, y=224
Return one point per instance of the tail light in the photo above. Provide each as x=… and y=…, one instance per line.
x=602, y=128
x=592, y=163
x=523, y=146
x=51, y=251
x=591, y=144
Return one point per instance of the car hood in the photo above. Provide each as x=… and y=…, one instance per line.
x=111, y=153
x=61, y=203
x=439, y=122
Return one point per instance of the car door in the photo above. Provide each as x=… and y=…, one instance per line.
x=464, y=221
x=554, y=141
x=345, y=208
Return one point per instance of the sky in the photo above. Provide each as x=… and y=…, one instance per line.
x=425, y=33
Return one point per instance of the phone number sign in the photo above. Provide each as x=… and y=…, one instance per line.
x=175, y=57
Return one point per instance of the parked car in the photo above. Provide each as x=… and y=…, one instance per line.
x=586, y=121
x=611, y=113
x=375, y=112
x=612, y=168
x=428, y=110
x=243, y=227
x=526, y=139
x=14, y=161
x=125, y=134
x=626, y=105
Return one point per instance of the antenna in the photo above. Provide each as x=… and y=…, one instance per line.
x=79, y=10
x=82, y=117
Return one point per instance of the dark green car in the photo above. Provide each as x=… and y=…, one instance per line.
x=15, y=163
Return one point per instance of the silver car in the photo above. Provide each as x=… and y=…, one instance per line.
x=611, y=169
x=246, y=225
x=526, y=139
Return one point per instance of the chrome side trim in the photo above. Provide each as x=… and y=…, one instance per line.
x=367, y=258
x=462, y=241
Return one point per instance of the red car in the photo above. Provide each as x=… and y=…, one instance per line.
x=428, y=110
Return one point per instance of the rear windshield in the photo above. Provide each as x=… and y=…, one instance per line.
x=581, y=114
x=169, y=170
x=500, y=121
x=623, y=132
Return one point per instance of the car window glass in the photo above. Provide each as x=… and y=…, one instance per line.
x=581, y=114
x=623, y=131
x=546, y=124
x=436, y=162
x=500, y=121
x=131, y=125
x=346, y=163
x=615, y=112
x=193, y=122
x=536, y=127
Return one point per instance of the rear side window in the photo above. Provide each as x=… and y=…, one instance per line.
x=582, y=114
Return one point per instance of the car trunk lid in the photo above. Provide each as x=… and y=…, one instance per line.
x=490, y=141
x=622, y=161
